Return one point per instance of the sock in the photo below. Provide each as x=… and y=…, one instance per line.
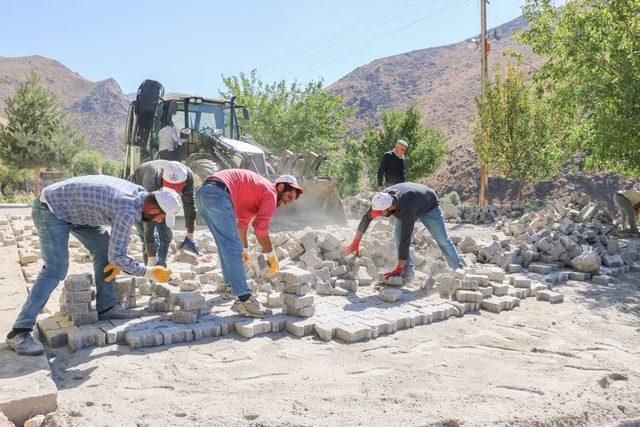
x=16, y=331
x=245, y=297
x=104, y=311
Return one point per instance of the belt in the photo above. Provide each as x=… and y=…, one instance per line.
x=219, y=184
x=44, y=206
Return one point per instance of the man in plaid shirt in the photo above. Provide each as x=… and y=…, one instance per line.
x=83, y=206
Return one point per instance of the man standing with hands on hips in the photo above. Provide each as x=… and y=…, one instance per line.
x=227, y=201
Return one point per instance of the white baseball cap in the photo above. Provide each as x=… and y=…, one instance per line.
x=380, y=202
x=170, y=202
x=291, y=180
x=174, y=175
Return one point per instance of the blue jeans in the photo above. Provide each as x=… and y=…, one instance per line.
x=156, y=237
x=54, y=247
x=214, y=206
x=434, y=221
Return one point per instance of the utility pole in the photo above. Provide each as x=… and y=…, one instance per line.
x=484, y=45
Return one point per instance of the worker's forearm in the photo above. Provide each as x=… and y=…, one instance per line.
x=265, y=243
x=401, y=263
x=243, y=236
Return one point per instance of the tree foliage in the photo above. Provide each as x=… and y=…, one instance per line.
x=592, y=75
x=38, y=134
x=93, y=163
x=515, y=131
x=347, y=163
x=427, y=146
x=292, y=117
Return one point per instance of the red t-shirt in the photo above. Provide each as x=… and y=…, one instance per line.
x=252, y=195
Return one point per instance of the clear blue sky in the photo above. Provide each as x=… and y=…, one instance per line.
x=188, y=44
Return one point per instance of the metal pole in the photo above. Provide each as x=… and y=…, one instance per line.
x=484, y=168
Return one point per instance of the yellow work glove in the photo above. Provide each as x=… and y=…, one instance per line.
x=245, y=256
x=272, y=260
x=158, y=273
x=110, y=271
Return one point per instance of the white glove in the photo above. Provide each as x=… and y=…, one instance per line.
x=151, y=261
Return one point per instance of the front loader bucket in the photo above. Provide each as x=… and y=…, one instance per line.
x=320, y=204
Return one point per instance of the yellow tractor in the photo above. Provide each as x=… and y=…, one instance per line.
x=211, y=141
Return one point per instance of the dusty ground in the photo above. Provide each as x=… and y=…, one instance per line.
x=574, y=363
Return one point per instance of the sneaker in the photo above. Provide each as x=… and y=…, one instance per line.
x=23, y=343
x=251, y=307
x=118, y=312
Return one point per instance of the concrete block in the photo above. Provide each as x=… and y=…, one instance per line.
x=551, y=296
x=514, y=268
x=602, y=280
x=295, y=275
x=189, y=285
x=349, y=285
x=579, y=276
x=79, y=337
x=467, y=284
x=339, y=271
x=203, y=267
x=326, y=330
x=248, y=328
x=274, y=300
x=402, y=319
x=165, y=290
x=468, y=296
x=389, y=294
x=300, y=328
x=521, y=282
x=481, y=279
x=297, y=288
x=176, y=334
x=295, y=301
x=299, y=312
x=493, y=304
x=185, y=316
x=486, y=291
x=144, y=338
x=520, y=293
x=205, y=328
x=78, y=282
x=278, y=323
x=499, y=289
x=354, y=332
x=188, y=301
x=540, y=268
x=337, y=291
x=36, y=421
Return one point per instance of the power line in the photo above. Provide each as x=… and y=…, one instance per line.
x=333, y=35
x=347, y=53
x=365, y=31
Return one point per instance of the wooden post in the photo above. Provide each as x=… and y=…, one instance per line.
x=484, y=168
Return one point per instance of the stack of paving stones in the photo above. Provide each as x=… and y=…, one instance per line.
x=189, y=307
x=125, y=288
x=475, y=214
x=297, y=299
x=75, y=300
x=7, y=238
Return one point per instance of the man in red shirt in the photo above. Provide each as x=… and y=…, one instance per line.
x=228, y=201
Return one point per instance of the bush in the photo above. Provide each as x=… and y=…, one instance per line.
x=452, y=198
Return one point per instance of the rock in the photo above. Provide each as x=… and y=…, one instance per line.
x=390, y=294
x=588, y=262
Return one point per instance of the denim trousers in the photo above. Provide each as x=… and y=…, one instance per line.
x=215, y=208
x=54, y=247
x=156, y=237
x=434, y=222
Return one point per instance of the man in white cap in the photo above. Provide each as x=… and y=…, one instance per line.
x=83, y=206
x=228, y=201
x=408, y=202
x=393, y=166
x=156, y=238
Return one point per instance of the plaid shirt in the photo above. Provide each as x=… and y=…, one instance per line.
x=101, y=200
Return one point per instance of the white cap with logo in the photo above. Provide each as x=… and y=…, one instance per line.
x=174, y=172
x=170, y=202
x=380, y=202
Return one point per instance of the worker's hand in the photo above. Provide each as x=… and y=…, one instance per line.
x=637, y=208
x=159, y=273
x=352, y=247
x=396, y=272
x=151, y=261
x=272, y=260
x=245, y=256
x=189, y=244
x=110, y=271
x=380, y=188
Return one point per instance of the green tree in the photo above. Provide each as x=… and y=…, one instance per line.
x=592, y=75
x=38, y=134
x=292, y=117
x=87, y=163
x=427, y=146
x=12, y=179
x=347, y=163
x=514, y=131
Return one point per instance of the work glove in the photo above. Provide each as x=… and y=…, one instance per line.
x=352, y=247
x=189, y=244
x=151, y=261
x=396, y=272
x=158, y=273
x=272, y=260
x=110, y=271
x=245, y=256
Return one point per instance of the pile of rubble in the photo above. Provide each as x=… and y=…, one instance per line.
x=572, y=232
x=474, y=214
x=356, y=206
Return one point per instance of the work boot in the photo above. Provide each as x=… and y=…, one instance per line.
x=118, y=312
x=24, y=344
x=251, y=307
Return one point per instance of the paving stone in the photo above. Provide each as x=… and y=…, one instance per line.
x=144, y=338
x=83, y=319
x=54, y=336
x=300, y=328
x=36, y=421
x=348, y=285
x=493, y=304
x=185, y=316
x=379, y=326
x=188, y=301
x=579, y=276
x=466, y=284
x=278, y=322
x=165, y=290
x=535, y=287
x=514, y=268
x=274, y=300
x=520, y=293
x=389, y=294
x=295, y=301
x=78, y=282
x=540, y=268
x=202, y=268
x=79, y=337
x=520, y=281
x=249, y=327
x=602, y=279
x=176, y=334
x=481, y=279
x=299, y=312
x=551, y=296
x=468, y=296
x=338, y=291
x=486, y=291
x=499, y=289
x=189, y=285
x=403, y=320
x=354, y=332
x=227, y=323
x=295, y=275
x=326, y=330
x=205, y=328
x=297, y=288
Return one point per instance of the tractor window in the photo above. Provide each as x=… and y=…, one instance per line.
x=204, y=116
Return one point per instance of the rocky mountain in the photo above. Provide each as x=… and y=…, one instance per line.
x=97, y=109
x=444, y=81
